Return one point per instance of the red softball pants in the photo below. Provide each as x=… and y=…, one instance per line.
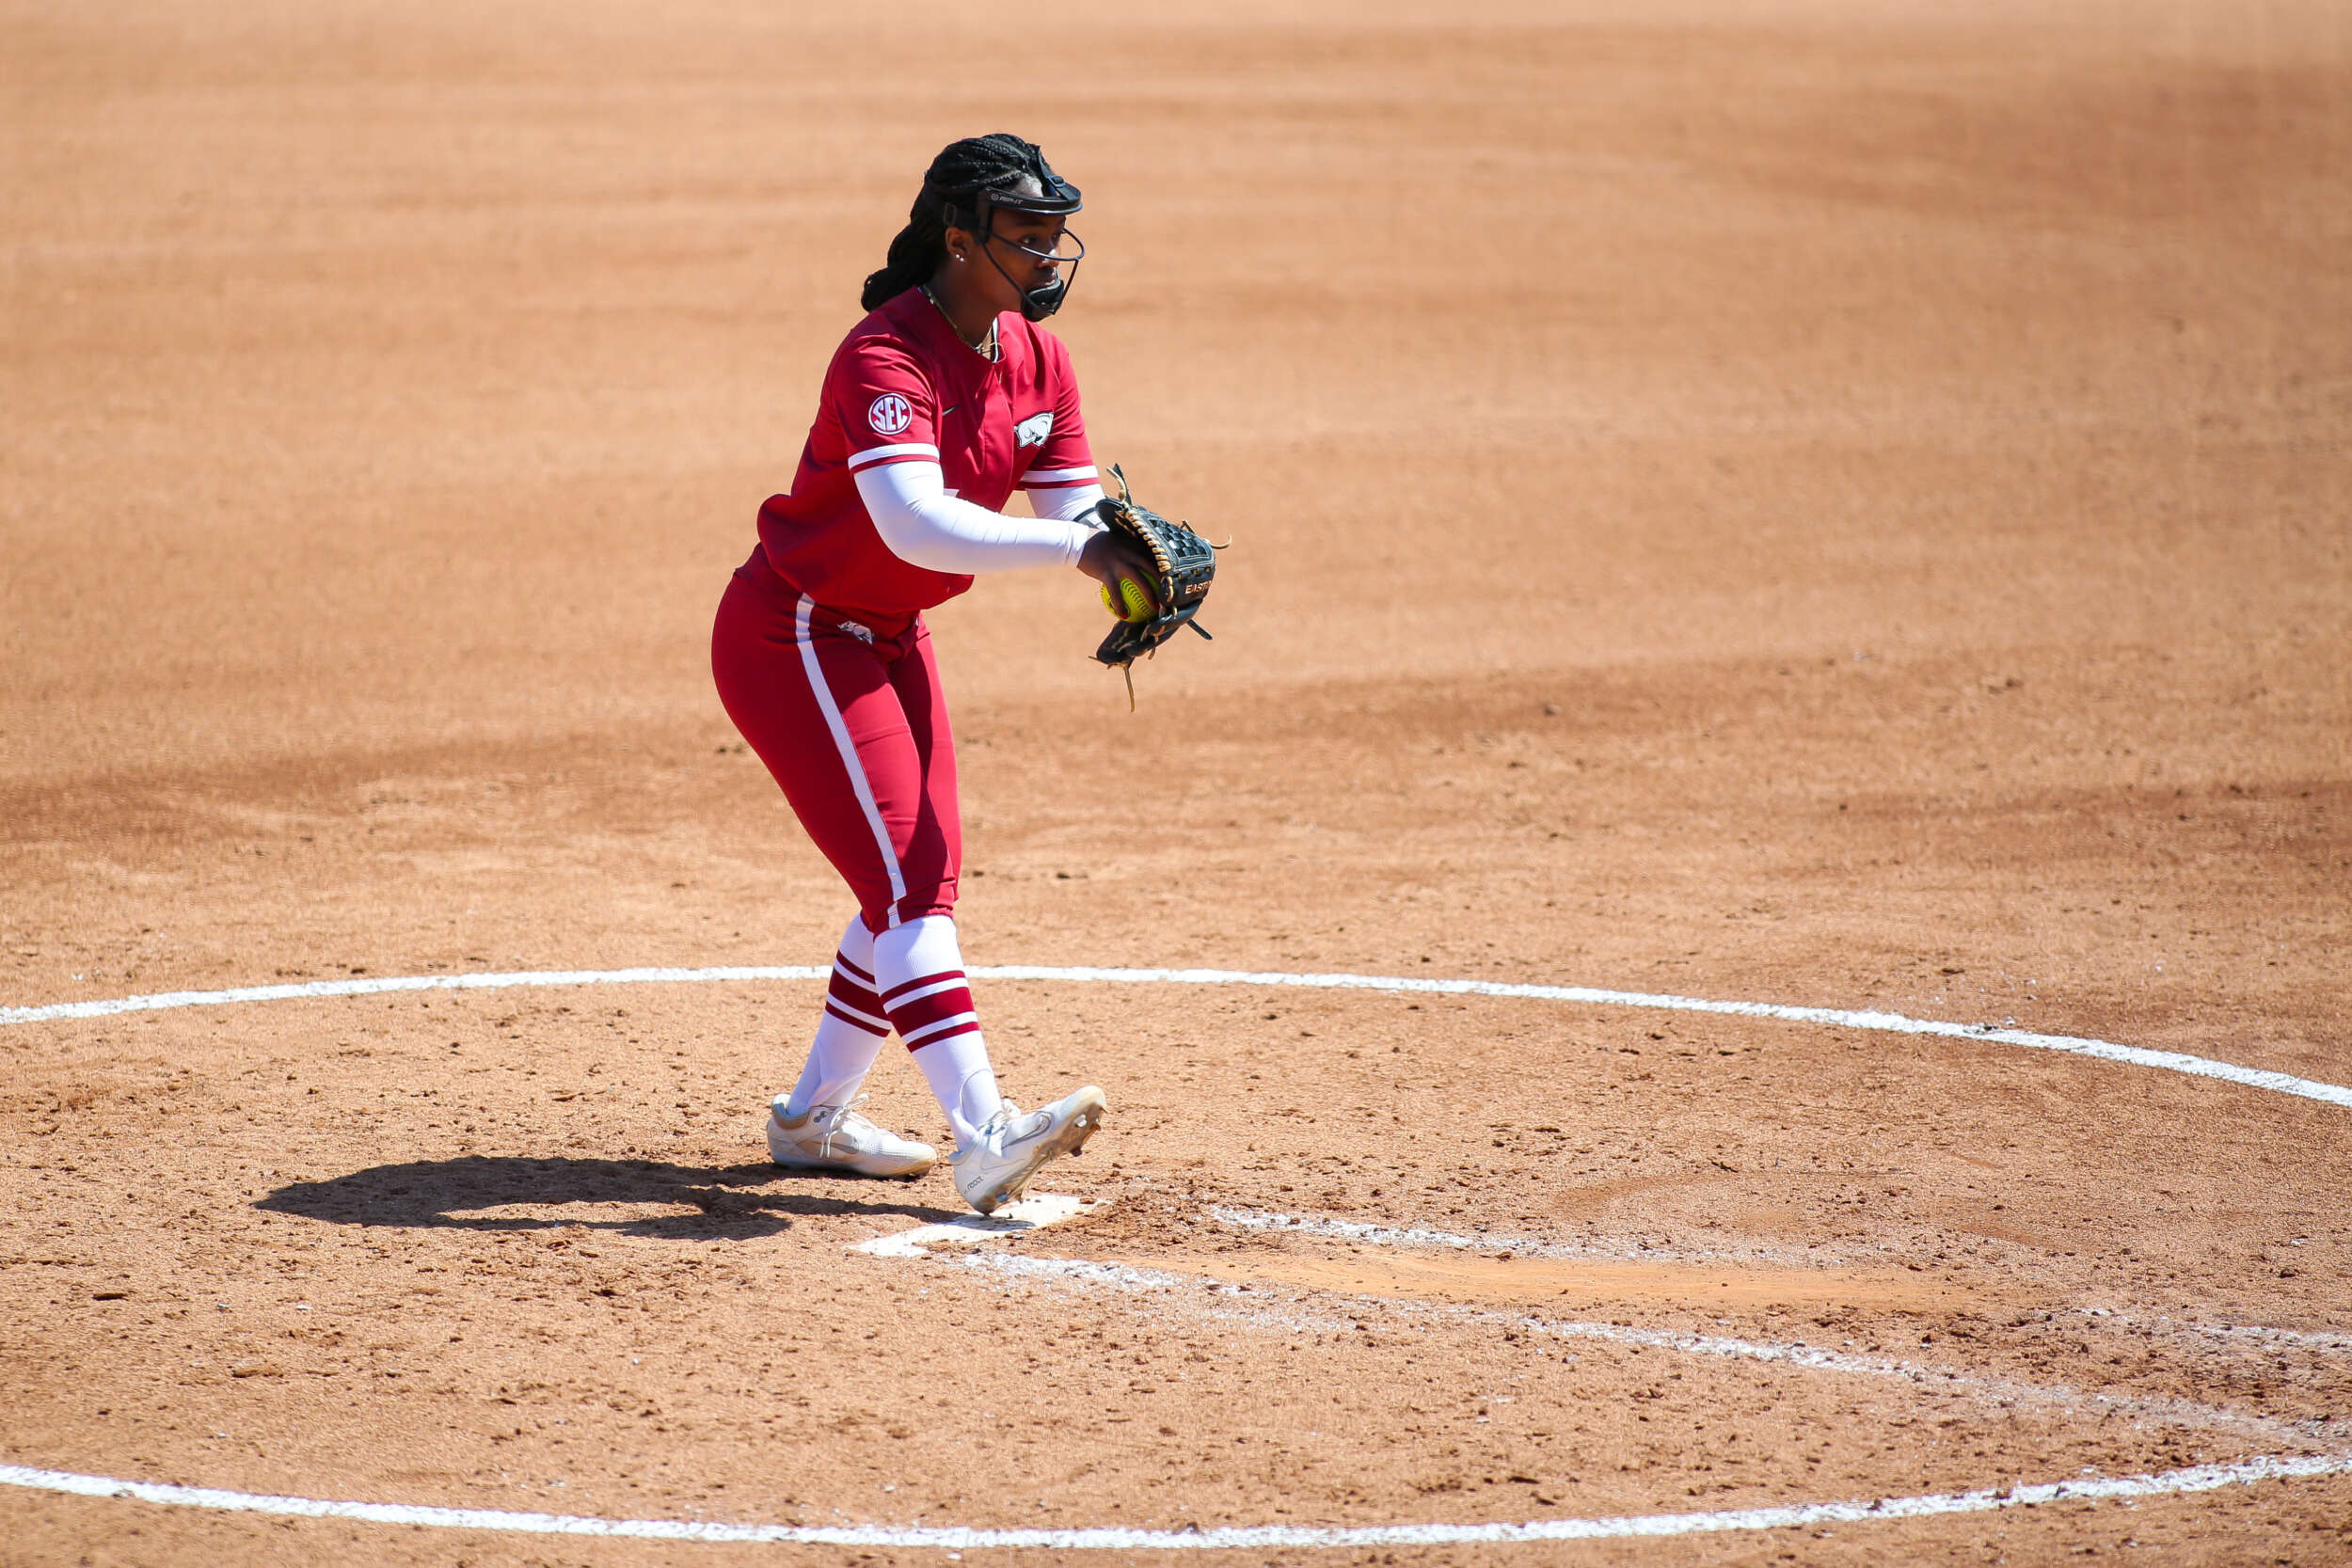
x=848, y=716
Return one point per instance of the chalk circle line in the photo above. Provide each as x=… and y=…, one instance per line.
x=2194, y=1479
x=2200, y=1477
x=1835, y=1018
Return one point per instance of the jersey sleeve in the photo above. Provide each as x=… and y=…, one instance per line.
x=1064, y=459
x=886, y=407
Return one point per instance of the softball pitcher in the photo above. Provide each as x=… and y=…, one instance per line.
x=941, y=403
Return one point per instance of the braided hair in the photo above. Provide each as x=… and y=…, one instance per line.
x=998, y=163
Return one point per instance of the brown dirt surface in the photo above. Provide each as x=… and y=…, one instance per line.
x=1832, y=504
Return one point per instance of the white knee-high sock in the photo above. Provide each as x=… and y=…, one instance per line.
x=919, y=971
x=850, y=1032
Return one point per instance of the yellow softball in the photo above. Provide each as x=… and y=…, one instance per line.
x=1138, y=602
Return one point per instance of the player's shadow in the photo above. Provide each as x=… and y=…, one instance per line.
x=517, y=1193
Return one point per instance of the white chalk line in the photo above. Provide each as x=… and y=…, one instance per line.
x=2003, y=1393
x=2190, y=1480
x=384, y=984
x=1523, y=1247
x=2319, y=1343
x=2315, y=1342
x=2200, y=1477
x=1892, y=1023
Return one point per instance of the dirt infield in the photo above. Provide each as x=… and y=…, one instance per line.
x=1830, y=504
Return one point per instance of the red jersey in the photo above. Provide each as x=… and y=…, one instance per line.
x=903, y=388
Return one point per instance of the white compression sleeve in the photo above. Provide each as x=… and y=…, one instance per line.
x=1070, y=503
x=924, y=526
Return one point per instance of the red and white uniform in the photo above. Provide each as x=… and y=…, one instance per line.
x=903, y=389
x=820, y=650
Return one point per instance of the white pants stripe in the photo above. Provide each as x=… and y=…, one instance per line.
x=849, y=754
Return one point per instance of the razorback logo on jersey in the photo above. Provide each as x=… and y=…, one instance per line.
x=1032, y=430
x=890, y=414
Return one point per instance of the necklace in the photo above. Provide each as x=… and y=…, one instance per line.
x=985, y=348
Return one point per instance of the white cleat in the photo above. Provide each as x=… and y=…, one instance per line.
x=836, y=1138
x=993, y=1168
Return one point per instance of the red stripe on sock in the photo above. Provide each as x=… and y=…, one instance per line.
x=922, y=980
x=912, y=1016
x=850, y=994
x=853, y=1022
x=843, y=961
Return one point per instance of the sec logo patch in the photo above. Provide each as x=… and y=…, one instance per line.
x=890, y=414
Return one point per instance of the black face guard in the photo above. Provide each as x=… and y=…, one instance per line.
x=1053, y=196
x=1043, y=301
